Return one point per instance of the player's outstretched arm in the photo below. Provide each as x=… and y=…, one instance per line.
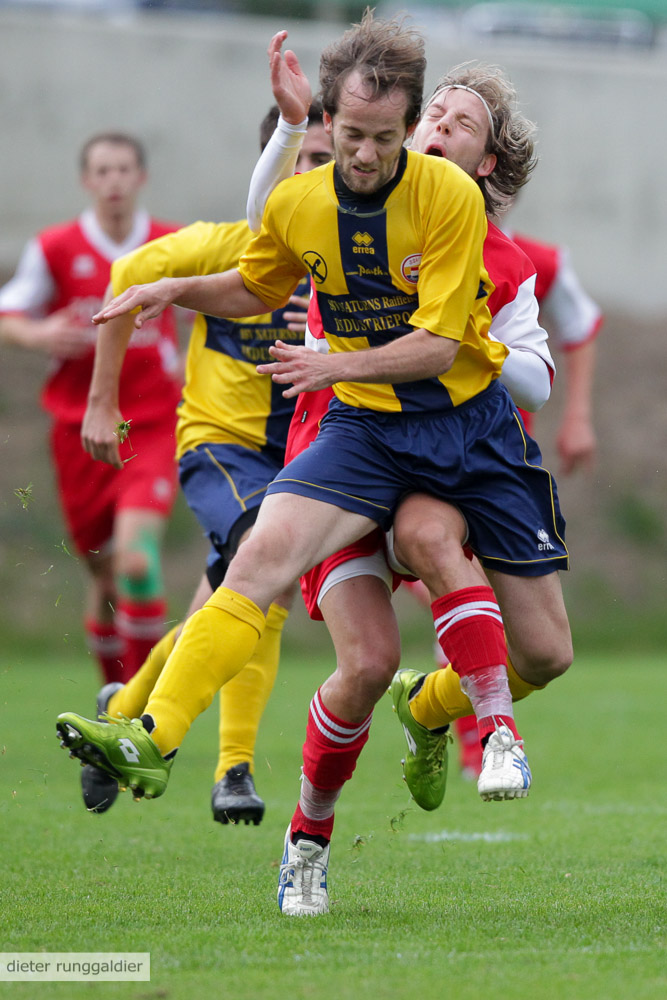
x=293, y=96
x=213, y=294
x=576, y=441
x=60, y=334
x=290, y=85
x=99, y=430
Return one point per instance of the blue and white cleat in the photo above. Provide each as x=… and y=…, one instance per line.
x=505, y=771
x=302, y=887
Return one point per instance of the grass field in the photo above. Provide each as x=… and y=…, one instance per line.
x=555, y=897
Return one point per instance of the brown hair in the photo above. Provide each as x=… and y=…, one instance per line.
x=387, y=54
x=511, y=139
x=116, y=139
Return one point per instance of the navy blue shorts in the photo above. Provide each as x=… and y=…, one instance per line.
x=224, y=484
x=477, y=456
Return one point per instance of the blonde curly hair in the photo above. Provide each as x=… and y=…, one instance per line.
x=512, y=138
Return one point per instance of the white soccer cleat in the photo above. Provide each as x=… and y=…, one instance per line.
x=505, y=772
x=302, y=887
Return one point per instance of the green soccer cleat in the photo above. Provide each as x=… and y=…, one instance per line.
x=121, y=748
x=425, y=764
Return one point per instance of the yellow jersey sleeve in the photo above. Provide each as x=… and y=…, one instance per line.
x=202, y=248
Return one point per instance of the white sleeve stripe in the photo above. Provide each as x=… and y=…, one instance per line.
x=572, y=315
x=318, y=344
x=517, y=325
x=32, y=287
x=278, y=161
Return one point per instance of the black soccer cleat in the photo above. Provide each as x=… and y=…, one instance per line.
x=234, y=799
x=98, y=788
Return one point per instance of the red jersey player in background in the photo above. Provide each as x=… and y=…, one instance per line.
x=573, y=321
x=115, y=520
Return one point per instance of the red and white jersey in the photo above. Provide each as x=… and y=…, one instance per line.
x=514, y=310
x=69, y=265
x=513, y=302
x=570, y=314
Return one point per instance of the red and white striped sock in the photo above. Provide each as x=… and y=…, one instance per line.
x=107, y=647
x=140, y=624
x=470, y=631
x=330, y=756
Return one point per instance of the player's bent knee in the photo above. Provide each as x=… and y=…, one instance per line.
x=255, y=563
x=369, y=668
x=541, y=665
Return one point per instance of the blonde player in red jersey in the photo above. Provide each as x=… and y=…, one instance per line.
x=115, y=520
x=573, y=321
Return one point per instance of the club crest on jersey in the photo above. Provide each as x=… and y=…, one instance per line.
x=362, y=243
x=410, y=267
x=83, y=266
x=317, y=266
x=544, y=545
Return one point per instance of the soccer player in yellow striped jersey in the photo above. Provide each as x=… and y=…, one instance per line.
x=426, y=225
x=430, y=415
x=230, y=442
x=223, y=399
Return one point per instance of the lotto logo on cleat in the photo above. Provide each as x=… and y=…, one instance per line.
x=412, y=746
x=128, y=750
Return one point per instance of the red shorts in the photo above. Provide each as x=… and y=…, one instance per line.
x=528, y=420
x=92, y=493
x=370, y=545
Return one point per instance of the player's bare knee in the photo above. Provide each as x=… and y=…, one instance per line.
x=421, y=547
x=257, y=565
x=370, y=663
x=365, y=682
x=131, y=564
x=545, y=662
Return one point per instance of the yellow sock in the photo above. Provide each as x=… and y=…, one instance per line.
x=244, y=698
x=132, y=698
x=216, y=642
x=519, y=688
x=441, y=699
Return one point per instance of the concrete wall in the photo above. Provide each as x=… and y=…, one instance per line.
x=195, y=89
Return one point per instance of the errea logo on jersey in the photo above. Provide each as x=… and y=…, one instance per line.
x=83, y=266
x=363, y=243
x=544, y=545
x=410, y=267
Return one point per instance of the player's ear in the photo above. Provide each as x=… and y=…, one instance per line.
x=327, y=121
x=488, y=165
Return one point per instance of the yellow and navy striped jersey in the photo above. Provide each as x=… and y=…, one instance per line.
x=410, y=257
x=225, y=400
